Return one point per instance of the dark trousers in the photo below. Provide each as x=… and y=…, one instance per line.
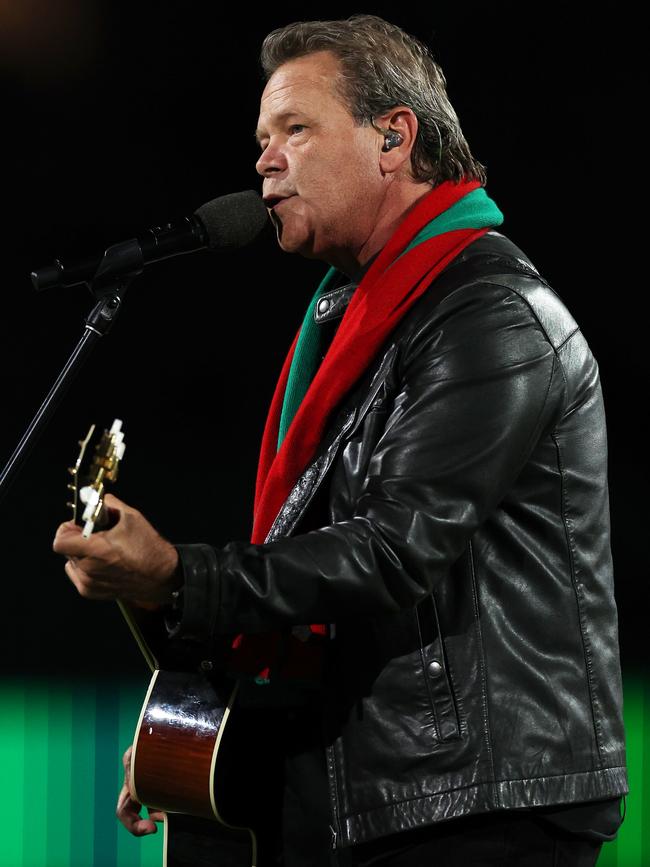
x=497, y=840
x=509, y=840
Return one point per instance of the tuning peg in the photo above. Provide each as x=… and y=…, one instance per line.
x=71, y=505
x=71, y=487
x=72, y=471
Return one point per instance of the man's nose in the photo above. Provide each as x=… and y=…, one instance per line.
x=271, y=160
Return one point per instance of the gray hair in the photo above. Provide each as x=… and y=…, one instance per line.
x=382, y=66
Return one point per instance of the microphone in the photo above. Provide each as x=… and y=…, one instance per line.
x=227, y=222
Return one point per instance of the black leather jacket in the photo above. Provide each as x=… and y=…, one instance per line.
x=454, y=526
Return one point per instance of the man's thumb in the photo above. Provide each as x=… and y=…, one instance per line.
x=114, y=502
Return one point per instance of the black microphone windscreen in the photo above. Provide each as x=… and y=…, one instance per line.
x=233, y=220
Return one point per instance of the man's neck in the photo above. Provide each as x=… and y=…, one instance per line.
x=359, y=271
x=399, y=202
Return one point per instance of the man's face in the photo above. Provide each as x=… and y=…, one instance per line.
x=314, y=154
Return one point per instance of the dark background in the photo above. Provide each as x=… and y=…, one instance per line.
x=119, y=117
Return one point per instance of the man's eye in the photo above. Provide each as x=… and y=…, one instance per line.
x=296, y=127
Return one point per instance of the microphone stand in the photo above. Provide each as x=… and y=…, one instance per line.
x=120, y=264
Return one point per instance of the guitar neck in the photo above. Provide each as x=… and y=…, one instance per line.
x=137, y=622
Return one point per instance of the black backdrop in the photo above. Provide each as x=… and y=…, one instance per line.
x=118, y=117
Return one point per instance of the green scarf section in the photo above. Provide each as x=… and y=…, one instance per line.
x=473, y=211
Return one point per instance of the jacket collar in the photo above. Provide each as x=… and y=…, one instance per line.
x=332, y=304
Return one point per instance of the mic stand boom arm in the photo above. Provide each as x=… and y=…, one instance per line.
x=120, y=264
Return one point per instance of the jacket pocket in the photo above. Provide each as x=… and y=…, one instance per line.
x=436, y=670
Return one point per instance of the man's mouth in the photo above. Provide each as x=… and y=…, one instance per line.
x=272, y=201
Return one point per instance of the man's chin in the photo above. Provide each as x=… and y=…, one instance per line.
x=289, y=242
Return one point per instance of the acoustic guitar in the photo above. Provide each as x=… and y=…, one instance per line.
x=186, y=760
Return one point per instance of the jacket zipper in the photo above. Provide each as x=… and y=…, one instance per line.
x=331, y=784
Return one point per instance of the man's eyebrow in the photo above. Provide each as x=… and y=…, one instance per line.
x=260, y=133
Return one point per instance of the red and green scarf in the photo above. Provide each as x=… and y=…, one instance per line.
x=432, y=234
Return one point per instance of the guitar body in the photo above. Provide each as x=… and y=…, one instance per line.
x=196, y=756
x=177, y=744
x=193, y=842
x=184, y=762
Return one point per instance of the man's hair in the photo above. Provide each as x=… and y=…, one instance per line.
x=383, y=67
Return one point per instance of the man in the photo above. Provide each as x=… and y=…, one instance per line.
x=428, y=589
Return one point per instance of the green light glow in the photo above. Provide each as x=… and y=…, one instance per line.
x=59, y=776
x=61, y=746
x=12, y=768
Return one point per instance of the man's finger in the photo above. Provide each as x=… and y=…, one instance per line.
x=66, y=531
x=115, y=503
x=89, y=588
x=69, y=541
x=69, y=527
x=72, y=571
x=128, y=812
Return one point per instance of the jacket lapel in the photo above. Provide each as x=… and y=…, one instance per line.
x=346, y=422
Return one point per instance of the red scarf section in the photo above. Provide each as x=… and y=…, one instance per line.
x=385, y=294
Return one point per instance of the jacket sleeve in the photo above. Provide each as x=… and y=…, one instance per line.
x=477, y=383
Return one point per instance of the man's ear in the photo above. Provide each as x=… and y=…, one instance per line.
x=396, y=131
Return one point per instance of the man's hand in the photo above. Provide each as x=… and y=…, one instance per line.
x=128, y=810
x=130, y=561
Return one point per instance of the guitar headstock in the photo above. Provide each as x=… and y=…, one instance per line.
x=97, y=464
